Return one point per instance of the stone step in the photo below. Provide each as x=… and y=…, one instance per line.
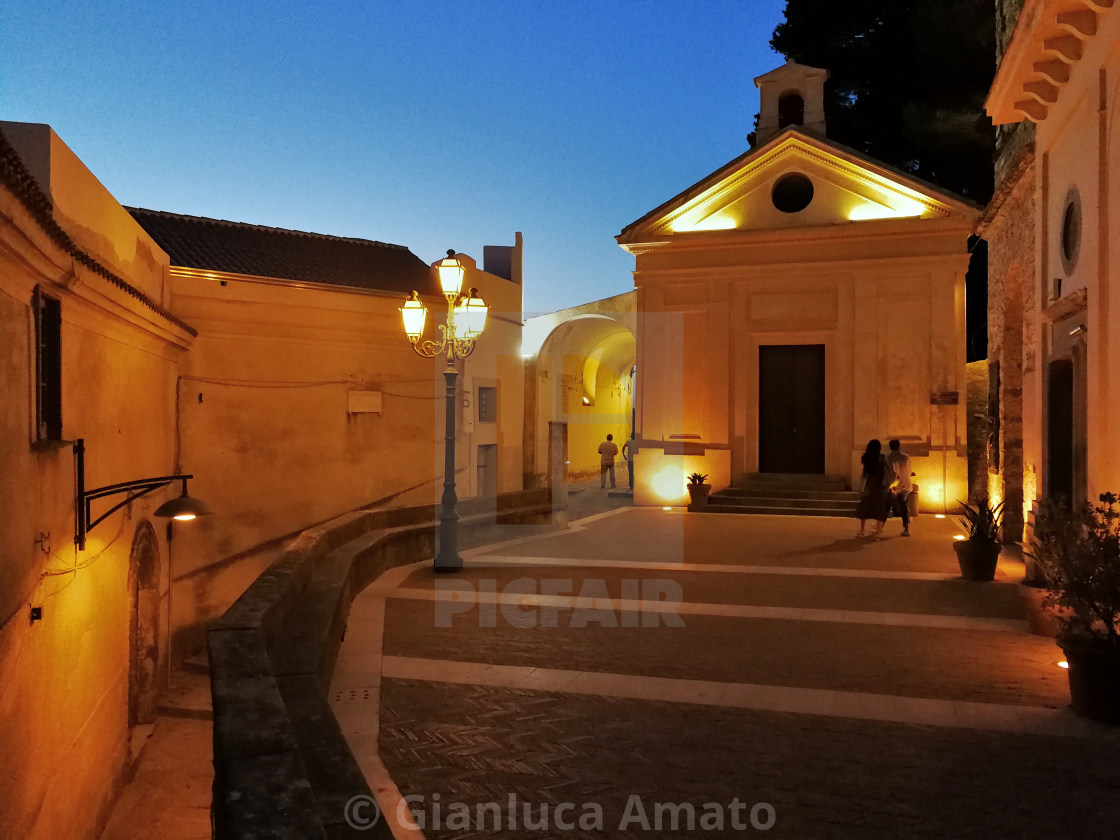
x=795, y=481
x=844, y=505
x=199, y=664
x=782, y=493
x=774, y=511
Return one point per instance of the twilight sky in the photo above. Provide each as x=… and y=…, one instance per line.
x=432, y=125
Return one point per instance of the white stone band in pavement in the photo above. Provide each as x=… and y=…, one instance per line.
x=920, y=711
x=468, y=596
x=482, y=561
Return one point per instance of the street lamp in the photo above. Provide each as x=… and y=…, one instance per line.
x=184, y=508
x=466, y=318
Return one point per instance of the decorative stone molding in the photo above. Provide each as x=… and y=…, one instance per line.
x=1049, y=39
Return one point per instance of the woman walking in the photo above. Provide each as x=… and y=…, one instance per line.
x=873, y=493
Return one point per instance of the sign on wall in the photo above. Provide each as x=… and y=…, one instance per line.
x=364, y=402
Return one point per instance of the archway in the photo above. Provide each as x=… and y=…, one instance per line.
x=143, y=666
x=583, y=388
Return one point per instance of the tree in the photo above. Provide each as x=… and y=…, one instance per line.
x=907, y=82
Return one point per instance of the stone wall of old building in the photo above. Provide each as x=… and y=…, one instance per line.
x=1009, y=230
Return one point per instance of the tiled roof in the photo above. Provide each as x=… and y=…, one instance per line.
x=238, y=248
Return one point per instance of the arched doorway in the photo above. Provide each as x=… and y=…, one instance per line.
x=583, y=390
x=143, y=666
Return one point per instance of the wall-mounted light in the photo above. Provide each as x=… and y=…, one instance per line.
x=1076, y=331
x=183, y=508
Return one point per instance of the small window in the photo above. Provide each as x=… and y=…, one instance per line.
x=792, y=193
x=487, y=405
x=48, y=366
x=1071, y=231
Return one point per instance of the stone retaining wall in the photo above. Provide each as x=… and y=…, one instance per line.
x=282, y=768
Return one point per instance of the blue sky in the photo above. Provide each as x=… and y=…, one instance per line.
x=430, y=125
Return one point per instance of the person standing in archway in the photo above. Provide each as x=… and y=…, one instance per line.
x=607, y=452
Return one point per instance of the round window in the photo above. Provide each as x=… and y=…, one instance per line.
x=792, y=193
x=1071, y=230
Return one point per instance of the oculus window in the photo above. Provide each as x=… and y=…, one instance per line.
x=792, y=192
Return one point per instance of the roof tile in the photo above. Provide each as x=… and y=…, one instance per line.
x=239, y=248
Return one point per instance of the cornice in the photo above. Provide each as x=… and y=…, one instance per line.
x=884, y=229
x=1048, y=42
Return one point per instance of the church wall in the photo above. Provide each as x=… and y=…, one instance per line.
x=893, y=334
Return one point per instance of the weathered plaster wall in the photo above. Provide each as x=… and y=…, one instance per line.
x=64, y=680
x=265, y=422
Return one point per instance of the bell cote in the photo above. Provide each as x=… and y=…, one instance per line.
x=791, y=95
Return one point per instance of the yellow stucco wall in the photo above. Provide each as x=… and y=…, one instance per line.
x=265, y=422
x=64, y=680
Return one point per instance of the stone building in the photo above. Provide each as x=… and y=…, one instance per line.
x=1053, y=245
x=795, y=304
x=270, y=364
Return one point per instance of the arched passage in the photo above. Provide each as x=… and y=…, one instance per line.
x=583, y=382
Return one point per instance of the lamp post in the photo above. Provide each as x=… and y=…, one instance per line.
x=466, y=318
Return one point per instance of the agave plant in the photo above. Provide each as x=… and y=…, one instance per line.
x=982, y=521
x=697, y=478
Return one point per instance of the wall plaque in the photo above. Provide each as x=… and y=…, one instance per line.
x=364, y=402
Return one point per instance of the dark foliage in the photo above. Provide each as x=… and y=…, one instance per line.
x=907, y=82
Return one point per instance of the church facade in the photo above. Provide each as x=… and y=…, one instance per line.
x=795, y=304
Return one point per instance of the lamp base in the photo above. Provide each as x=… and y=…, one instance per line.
x=447, y=564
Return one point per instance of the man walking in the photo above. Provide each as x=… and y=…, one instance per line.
x=899, y=495
x=607, y=451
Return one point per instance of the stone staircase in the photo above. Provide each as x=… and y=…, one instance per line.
x=780, y=494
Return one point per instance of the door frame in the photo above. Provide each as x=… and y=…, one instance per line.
x=837, y=416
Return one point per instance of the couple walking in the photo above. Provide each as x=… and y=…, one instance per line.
x=885, y=487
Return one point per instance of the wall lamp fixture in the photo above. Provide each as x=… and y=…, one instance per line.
x=1076, y=331
x=184, y=508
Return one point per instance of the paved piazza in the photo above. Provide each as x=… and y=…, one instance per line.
x=653, y=673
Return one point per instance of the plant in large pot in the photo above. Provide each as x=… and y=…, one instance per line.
x=978, y=553
x=1079, y=553
x=697, y=490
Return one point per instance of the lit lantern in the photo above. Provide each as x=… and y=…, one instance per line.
x=451, y=273
x=470, y=316
x=414, y=314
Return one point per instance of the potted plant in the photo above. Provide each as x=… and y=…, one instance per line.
x=1079, y=553
x=697, y=490
x=978, y=553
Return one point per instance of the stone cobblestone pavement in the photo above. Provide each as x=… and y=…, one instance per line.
x=990, y=750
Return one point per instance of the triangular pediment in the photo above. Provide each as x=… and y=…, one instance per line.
x=846, y=189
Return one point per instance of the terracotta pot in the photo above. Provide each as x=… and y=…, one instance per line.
x=1042, y=620
x=977, y=559
x=698, y=493
x=1094, y=680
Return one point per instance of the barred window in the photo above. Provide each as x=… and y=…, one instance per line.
x=48, y=366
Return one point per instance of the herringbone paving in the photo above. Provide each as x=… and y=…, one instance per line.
x=824, y=777
x=562, y=714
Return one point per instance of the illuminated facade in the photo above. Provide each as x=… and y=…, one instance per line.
x=795, y=304
x=1054, y=246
